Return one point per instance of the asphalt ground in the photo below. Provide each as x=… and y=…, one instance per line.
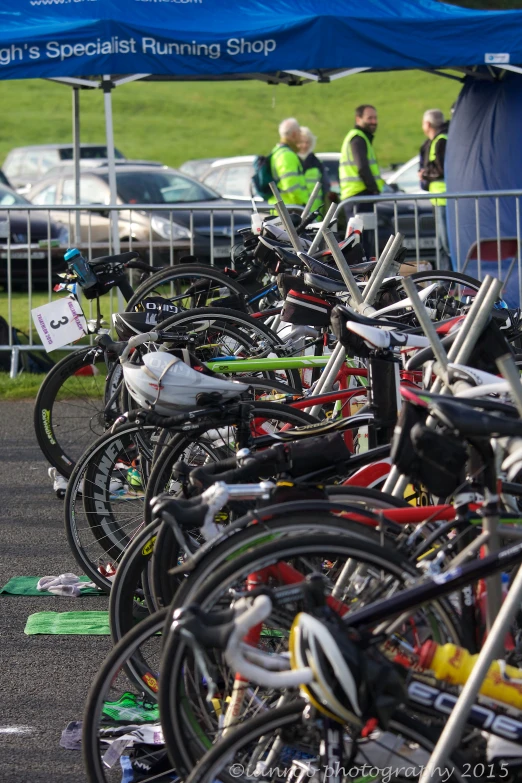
x=44, y=680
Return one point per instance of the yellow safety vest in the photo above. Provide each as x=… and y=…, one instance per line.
x=350, y=181
x=312, y=176
x=438, y=185
x=288, y=175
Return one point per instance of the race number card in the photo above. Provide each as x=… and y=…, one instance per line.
x=59, y=323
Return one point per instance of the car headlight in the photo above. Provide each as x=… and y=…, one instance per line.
x=63, y=236
x=169, y=230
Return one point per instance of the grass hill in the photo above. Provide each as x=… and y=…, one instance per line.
x=173, y=122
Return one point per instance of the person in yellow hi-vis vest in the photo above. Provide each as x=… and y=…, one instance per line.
x=359, y=173
x=286, y=166
x=431, y=175
x=314, y=170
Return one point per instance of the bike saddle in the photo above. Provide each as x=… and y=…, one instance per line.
x=349, y=315
x=324, y=284
x=471, y=423
x=121, y=258
x=385, y=338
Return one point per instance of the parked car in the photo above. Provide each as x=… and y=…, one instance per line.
x=21, y=234
x=405, y=178
x=141, y=184
x=26, y=165
x=232, y=178
x=196, y=168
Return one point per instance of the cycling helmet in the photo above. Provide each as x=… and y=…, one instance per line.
x=169, y=385
x=334, y=689
x=351, y=684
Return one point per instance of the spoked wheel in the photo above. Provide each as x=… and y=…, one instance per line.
x=225, y=334
x=283, y=744
x=104, y=499
x=361, y=573
x=123, y=701
x=192, y=285
x=446, y=294
x=69, y=408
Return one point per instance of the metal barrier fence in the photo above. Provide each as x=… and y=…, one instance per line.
x=479, y=233
x=32, y=243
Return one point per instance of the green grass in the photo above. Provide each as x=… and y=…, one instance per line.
x=24, y=387
x=173, y=122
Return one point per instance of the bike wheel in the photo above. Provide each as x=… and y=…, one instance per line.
x=211, y=445
x=189, y=723
x=228, y=333
x=123, y=699
x=289, y=745
x=451, y=296
x=188, y=286
x=69, y=407
x=103, y=506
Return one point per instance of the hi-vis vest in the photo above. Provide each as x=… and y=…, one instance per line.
x=438, y=185
x=288, y=175
x=314, y=175
x=350, y=181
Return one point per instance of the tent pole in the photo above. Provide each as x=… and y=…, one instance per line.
x=109, y=133
x=76, y=158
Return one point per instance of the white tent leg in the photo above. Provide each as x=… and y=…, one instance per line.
x=76, y=159
x=109, y=133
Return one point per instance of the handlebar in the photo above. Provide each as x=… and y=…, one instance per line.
x=138, y=339
x=236, y=653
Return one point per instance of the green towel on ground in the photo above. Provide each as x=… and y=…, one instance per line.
x=26, y=585
x=80, y=623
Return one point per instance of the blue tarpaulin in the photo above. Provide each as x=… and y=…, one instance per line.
x=483, y=154
x=206, y=38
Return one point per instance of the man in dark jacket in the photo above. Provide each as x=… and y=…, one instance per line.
x=359, y=172
x=431, y=175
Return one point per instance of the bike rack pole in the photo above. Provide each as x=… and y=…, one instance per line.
x=311, y=198
x=320, y=231
x=381, y=269
x=452, y=732
x=425, y=322
x=285, y=217
x=345, y=270
x=475, y=320
x=377, y=266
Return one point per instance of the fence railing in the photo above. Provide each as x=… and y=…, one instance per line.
x=484, y=230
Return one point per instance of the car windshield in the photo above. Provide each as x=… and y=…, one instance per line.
x=92, y=153
x=159, y=187
x=9, y=197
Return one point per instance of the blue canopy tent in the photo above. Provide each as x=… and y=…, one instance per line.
x=206, y=38
x=291, y=41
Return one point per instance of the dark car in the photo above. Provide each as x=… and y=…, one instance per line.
x=18, y=235
x=163, y=229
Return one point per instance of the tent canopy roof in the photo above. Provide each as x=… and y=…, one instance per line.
x=282, y=41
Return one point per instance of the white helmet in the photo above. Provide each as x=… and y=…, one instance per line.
x=171, y=385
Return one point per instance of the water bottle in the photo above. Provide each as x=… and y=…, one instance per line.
x=81, y=268
x=453, y=664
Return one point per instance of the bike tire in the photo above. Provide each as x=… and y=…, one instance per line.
x=183, y=272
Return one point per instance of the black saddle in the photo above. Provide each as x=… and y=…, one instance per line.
x=472, y=423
